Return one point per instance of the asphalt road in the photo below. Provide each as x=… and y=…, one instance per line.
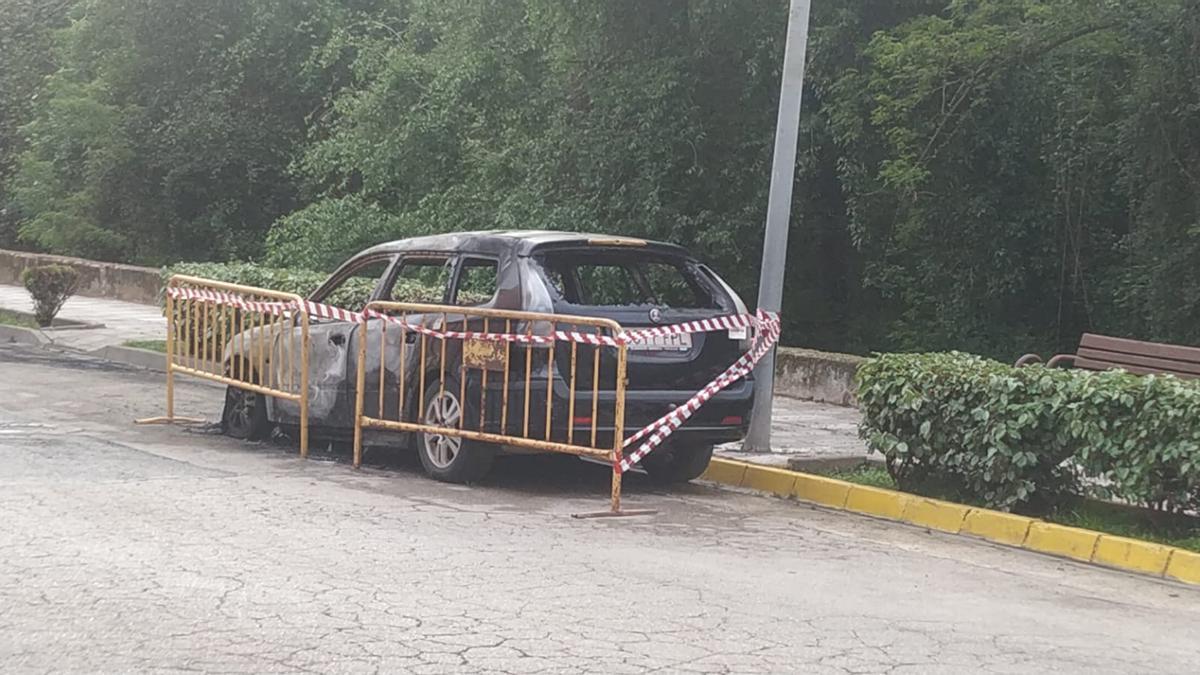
x=127, y=548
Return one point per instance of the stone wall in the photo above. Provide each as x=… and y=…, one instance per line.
x=816, y=376
x=96, y=279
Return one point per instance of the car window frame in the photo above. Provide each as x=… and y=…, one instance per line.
x=398, y=265
x=347, y=270
x=456, y=278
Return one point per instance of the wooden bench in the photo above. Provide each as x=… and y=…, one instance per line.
x=1100, y=352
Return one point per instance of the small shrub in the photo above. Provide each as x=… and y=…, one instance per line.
x=50, y=286
x=1021, y=438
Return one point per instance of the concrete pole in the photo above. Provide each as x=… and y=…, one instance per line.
x=779, y=206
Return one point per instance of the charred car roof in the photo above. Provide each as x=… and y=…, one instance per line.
x=518, y=242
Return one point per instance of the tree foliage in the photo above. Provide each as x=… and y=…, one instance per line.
x=168, y=128
x=989, y=175
x=25, y=28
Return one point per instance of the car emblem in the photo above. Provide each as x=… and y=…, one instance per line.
x=656, y=315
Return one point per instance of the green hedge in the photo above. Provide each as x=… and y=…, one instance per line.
x=1027, y=438
x=301, y=282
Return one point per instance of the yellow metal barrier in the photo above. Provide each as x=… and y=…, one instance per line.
x=250, y=338
x=421, y=347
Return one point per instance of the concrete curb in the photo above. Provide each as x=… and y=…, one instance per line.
x=1131, y=555
x=27, y=336
x=132, y=356
x=153, y=361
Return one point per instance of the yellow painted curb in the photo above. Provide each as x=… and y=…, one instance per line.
x=766, y=479
x=1069, y=542
x=1184, y=566
x=1003, y=528
x=821, y=490
x=877, y=501
x=1132, y=554
x=935, y=514
x=723, y=471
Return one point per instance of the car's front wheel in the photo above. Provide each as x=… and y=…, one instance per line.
x=446, y=457
x=245, y=415
x=677, y=463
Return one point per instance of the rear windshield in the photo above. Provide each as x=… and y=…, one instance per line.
x=625, y=278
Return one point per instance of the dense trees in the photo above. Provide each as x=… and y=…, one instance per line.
x=990, y=175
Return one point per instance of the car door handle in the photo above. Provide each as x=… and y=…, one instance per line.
x=337, y=339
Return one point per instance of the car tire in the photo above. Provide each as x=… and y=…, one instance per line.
x=450, y=459
x=674, y=464
x=245, y=415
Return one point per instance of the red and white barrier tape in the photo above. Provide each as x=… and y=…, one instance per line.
x=666, y=425
x=767, y=323
x=330, y=312
x=732, y=322
x=319, y=310
x=222, y=298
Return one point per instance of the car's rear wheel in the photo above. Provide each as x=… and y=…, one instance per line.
x=448, y=458
x=245, y=415
x=677, y=463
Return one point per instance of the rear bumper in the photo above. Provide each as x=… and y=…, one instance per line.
x=723, y=418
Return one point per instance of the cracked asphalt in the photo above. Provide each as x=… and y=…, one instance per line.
x=157, y=549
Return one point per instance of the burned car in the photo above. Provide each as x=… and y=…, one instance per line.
x=636, y=283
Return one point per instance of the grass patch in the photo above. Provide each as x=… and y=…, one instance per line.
x=9, y=318
x=1123, y=521
x=152, y=345
x=1180, y=531
x=872, y=475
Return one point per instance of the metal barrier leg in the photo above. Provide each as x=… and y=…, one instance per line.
x=170, y=358
x=170, y=417
x=615, y=511
x=360, y=379
x=618, y=446
x=304, y=385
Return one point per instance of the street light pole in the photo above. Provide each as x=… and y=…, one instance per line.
x=779, y=206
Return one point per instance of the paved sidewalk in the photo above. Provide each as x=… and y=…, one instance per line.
x=806, y=430
x=799, y=429
x=123, y=321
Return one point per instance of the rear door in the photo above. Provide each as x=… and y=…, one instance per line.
x=418, y=278
x=643, y=288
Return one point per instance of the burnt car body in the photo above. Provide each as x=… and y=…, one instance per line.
x=633, y=282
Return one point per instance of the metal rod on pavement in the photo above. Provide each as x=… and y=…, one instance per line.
x=779, y=205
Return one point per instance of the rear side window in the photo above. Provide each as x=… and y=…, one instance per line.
x=624, y=279
x=476, y=282
x=420, y=280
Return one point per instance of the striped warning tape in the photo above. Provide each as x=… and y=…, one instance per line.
x=323, y=311
x=660, y=429
x=223, y=298
x=330, y=312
